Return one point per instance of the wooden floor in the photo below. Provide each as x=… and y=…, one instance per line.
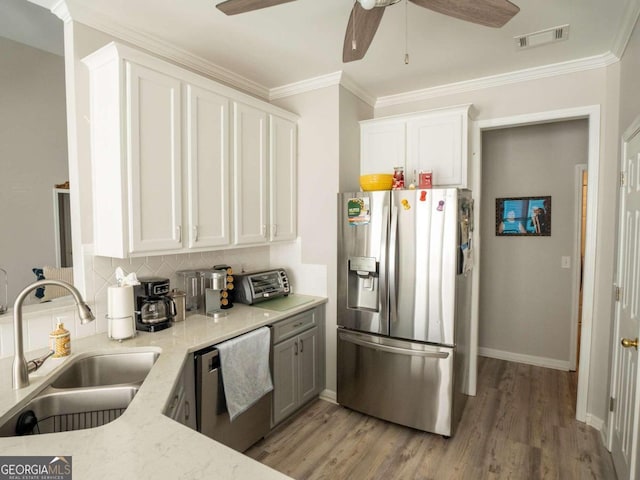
x=520, y=426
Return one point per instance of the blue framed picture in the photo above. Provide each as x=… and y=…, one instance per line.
x=523, y=216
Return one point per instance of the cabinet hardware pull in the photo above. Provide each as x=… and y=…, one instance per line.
x=195, y=233
x=274, y=230
x=187, y=410
x=295, y=352
x=264, y=231
x=301, y=345
x=179, y=231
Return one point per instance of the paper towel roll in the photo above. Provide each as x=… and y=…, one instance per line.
x=120, y=302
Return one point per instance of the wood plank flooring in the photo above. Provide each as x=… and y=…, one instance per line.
x=520, y=426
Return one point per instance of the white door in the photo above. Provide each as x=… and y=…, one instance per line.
x=624, y=417
x=154, y=156
x=250, y=174
x=208, y=177
x=283, y=180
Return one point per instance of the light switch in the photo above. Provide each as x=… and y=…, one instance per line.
x=566, y=262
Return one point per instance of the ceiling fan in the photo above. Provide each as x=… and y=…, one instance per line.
x=366, y=15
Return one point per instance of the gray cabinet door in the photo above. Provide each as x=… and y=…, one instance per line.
x=308, y=376
x=285, y=384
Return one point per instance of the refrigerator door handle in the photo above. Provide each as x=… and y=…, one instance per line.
x=393, y=245
x=384, y=271
x=390, y=349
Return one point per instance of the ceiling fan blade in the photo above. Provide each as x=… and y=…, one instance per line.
x=361, y=29
x=233, y=7
x=491, y=13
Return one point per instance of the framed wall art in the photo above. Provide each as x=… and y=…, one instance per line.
x=523, y=216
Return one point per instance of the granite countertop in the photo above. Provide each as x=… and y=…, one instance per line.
x=143, y=443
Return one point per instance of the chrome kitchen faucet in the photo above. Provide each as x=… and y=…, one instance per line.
x=22, y=368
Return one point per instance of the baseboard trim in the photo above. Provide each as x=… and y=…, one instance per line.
x=595, y=422
x=329, y=396
x=526, y=359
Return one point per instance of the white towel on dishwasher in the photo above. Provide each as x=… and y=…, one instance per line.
x=244, y=362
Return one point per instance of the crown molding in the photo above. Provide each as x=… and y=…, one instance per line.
x=168, y=51
x=358, y=91
x=536, y=73
x=61, y=10
x=331, y=79
x=625, y=31
x=307, y=85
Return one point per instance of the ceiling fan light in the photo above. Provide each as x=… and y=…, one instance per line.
x=367, y=4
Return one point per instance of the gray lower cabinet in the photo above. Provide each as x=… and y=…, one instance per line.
x=296, y=363
x=182, y=403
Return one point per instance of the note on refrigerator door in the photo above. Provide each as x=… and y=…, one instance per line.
x=358, y=211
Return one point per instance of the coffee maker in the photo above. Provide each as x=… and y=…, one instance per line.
x=155, y=309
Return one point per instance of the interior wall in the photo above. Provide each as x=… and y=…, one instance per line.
x=598, y=86
x=352, y=111
x=525, y=294
x=33, y=158
x=629, y=76
x=314, y=265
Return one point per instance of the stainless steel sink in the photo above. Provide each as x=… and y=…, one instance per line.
x=88, y=393
x=107, y=369
x=66, y=410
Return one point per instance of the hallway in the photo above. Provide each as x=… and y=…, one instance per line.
x=521, y=425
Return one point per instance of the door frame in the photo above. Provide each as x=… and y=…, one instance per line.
x=592, y=114
x=629, y=133
x=575, y=284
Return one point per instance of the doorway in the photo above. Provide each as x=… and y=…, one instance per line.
x=529, y=276
x=592, y=114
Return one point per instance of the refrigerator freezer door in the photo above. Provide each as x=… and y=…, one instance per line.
x=363, y=227
x=424, y=264
x=403, y=382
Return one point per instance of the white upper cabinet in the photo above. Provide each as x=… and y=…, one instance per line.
x=175, y=169
x=153, y=140
x=283, y=179
x=207, y=154
x=436, y=141
x=265, y=178
x=250, y=174
x=383, y=145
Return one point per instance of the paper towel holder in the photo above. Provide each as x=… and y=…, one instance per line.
x=121, y=328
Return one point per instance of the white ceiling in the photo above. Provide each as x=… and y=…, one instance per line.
x=301, y=40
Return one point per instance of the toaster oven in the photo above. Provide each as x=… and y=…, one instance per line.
x=256, y=287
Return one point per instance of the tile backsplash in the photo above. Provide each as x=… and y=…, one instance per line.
x=40, y=320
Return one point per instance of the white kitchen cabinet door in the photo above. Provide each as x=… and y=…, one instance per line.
x=207, y=157
x=308, y=377
x=285, y=383
x=250, y=175
x=154, y=160
x=438, y=143
x=283, y=179
x=382, y=146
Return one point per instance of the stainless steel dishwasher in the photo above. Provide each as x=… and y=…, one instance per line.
x=211, y=409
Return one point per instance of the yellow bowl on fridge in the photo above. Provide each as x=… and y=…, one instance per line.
x=376, y=181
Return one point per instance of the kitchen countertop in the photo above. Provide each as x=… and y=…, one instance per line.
x=143, y=443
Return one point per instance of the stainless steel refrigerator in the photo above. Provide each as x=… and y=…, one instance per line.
x=404, y=286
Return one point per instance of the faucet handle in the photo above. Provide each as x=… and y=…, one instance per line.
x=36, y=363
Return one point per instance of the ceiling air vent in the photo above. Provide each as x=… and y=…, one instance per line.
x=542, y=37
